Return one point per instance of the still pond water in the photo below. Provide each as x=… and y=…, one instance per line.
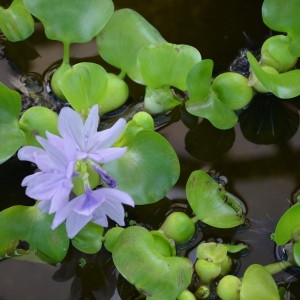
x=265, y=177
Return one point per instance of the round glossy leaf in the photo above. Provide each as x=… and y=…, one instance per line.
x=84, y=85
x=35, y=122
x=71, y=21
x=284, y=18
x=121, y=39
x=209, y=202
x=157, y=276
x=16, y=22
x=283, y=85
x=27, y=223
x=203, y=102
x=287, y=223
x=258, y=283
x=165, y=64
x=10, y=106
x=89, y=238
x=148, y=169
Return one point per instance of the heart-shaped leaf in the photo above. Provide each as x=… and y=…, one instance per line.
x=258, y=283
x=10, y=106
x=119, y=46
x=203, y=101
x=27, y=223
x=71, y=21
x=157, y=276
x=165, y=64
x=210, y=203
x=16, y=22
x=288, y=222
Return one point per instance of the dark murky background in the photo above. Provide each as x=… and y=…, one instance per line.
x=263, y=176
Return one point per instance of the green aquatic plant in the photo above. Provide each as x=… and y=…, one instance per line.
x=16, y=22
x=207, y=199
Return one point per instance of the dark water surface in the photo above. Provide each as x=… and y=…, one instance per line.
x=263, y=176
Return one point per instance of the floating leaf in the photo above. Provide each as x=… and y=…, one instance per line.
x=166, y=64
x=71, y=21
x=86, y=84
x=27, y=223
x=10, y=106
x=284, y=18
x=16, y=22
x=283, y=85
x=157, y=276
x=89, y=238
x=35, y=121
x=203, y=102
x=148, y=169
x=209, y=202
x=288, y=222
x=258, y=283
x=119, y=46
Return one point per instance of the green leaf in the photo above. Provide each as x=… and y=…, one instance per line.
x=165, y=64
x=203, y=101
x=84, y=85
x=208, y=201
x=284, y=18
x=160, y=100
x=258, y=283
x=137, y=259
x=148, y=169
x=283, y=85
x=212, y=252
x=35, y=121
x=10, y=106
x=288, y=222
x=89, y=238
x=71, y=21
x=16, y=22
x=27, y=223
x=117, y=44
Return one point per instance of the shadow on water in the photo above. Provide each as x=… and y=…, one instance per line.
x=263, y=174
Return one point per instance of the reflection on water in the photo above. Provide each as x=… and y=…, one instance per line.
x=263, y=176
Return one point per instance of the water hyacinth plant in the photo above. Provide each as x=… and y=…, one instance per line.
x=90, y=177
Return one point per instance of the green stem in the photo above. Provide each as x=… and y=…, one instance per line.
x=66, y=58
x=122, y=74
x=278, y=267
x=195, y=219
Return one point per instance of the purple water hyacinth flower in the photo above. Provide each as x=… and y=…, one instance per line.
x=52, y=184
x=90, y=144
x=95, y=206
x=68, y=156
